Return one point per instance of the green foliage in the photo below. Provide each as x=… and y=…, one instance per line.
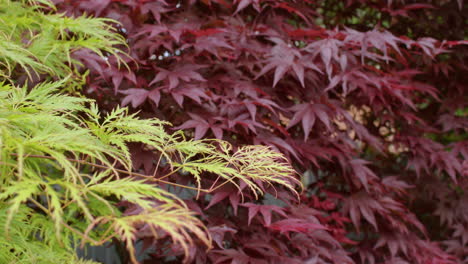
x=41, y=42
x=59, y=182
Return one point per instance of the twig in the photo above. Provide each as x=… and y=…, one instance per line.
x=148, y=177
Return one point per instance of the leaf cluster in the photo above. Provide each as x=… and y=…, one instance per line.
x=66, y=174
x=364, y=97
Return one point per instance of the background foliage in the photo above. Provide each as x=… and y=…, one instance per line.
x=367, y=98
x=65, y=167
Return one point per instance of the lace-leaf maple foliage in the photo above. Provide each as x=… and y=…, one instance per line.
x=367, y=98
x=65, y=167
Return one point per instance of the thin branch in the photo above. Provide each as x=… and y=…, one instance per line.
x=157, y=164
x=47, y=211
x=214, y=183
x=169, y=174
x=217, y=187
x=148, y=177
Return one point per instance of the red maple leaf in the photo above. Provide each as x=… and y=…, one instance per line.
x=284, y=58
x=185, y=72
x=265, y=210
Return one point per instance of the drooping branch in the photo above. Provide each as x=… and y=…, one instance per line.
x=148, y=177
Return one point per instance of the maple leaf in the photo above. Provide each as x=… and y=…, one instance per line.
x=266, y=103
x=454, y=246
x=201, y=126
x=97, y=6
x=231, y=106
x=241, y=4
x=361, y=204
x=213, y=45
x=265, y=210
x=373, y=39
x=450, y=122
x=156, y=8
x=151, y=31
x=418, y=247
x=230, y=193
x=444, y=209
x=185, y=72
x=427, y=154
x=91, y=60
x=307, y=113
x=461, y=231
x=330, y=51
x=313, y=151
x=118, y=75
x=284, y=58
x=142, y=157
x=362, y=173
x=248, y=88
x=291, y=9
x=245, y=122
x=396, y=185
x=295, y=225
x=218, y=233
x=194, y=92
x=138, y=96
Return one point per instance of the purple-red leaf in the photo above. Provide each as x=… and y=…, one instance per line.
x=265, y=210
x=295, y=225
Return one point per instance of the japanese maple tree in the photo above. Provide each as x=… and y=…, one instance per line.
x=368, y=100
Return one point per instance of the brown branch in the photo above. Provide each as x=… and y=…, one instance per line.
x=217, y=187
x=148, y=177
x=214, y=183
